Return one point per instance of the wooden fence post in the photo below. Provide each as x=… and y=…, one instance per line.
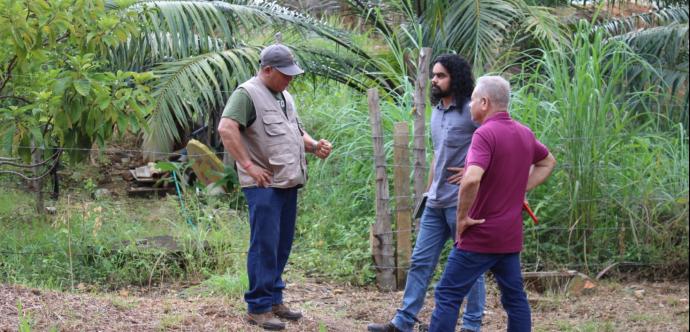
x=37, y=184
x=420, y=165
x=401, y=176
x=381, y=235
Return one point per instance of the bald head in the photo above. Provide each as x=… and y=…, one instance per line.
x=491, y=95
x=496, y=89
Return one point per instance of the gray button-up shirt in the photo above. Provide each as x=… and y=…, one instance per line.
x=451, y=134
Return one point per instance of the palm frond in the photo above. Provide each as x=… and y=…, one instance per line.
x=372, y=13
x=187, y=90
x=323, y=63
x=665, y=48
x=476, y=27
x=284, y=17
x=178, y=29
x=543, y=25
x=196, y=51
x=632, y=23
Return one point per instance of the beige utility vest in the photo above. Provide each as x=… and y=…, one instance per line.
x=274, y=141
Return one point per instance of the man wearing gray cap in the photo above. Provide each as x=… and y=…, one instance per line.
x=260, y=128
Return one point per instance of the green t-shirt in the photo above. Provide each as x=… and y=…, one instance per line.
x=241, y=108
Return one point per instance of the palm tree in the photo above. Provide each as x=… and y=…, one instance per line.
x=479, y=30
x=661, y=38
x=200, y=50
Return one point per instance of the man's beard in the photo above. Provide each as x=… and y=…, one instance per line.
x=437, y=93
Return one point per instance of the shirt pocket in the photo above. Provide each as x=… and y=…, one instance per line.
x=274, y=125
x=457, y=137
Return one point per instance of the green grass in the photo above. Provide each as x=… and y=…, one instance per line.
x=169, y=321
x=24, y=318
x=620, y=188
x=645, y=318
x=588, y=326
x=122, y=304
x=83, y=243
x=231, y=284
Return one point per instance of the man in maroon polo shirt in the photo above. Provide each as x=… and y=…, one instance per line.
x=489, y=220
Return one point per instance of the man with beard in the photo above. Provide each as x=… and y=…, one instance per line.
x=451, y=131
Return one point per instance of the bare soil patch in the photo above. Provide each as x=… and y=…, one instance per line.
x=332, y=307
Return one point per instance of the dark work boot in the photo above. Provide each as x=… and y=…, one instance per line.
x=388, y=327
x=282, y=311
x=266, y=320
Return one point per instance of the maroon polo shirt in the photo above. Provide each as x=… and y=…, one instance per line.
x=505, y=149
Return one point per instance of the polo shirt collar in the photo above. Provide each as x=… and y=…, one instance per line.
x=498, y=117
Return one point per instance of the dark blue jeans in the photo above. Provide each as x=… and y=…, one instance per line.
x=437, y=226
x=462, y=269
x=272, y=215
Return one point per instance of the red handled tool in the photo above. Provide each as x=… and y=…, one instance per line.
x=525, y=206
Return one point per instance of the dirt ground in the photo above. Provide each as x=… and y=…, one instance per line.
x=330, y=307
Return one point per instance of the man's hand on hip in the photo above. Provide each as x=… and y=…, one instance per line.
x=457, y=177
x=461, y=225
x=261, y=176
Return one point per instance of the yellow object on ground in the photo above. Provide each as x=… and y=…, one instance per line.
x=207, y=167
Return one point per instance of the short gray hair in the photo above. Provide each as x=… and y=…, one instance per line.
x=496, y=88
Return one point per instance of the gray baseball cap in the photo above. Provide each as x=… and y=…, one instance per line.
x=279, y=57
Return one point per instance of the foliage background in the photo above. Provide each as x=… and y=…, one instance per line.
x=607, y=94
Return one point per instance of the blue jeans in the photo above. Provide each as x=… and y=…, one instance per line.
x=462, y=269
x=437, y=226
x=272, y=215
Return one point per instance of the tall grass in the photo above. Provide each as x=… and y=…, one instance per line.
x=619, y=189
x=337, y=204
x=619, y=193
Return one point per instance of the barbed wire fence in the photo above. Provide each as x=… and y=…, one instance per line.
x=12, y=166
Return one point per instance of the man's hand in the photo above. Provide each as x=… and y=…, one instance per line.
x=461, y=225
x=261, y=176
x=323, y=149
x=457, y=177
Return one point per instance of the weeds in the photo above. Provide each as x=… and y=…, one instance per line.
x=122, y=304
x=231, y=284
x=99, y=243
x=615, y=194
x=24, y=318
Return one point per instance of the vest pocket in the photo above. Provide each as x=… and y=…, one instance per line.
x=274, y=125
x=283, y=159
x=283, y=166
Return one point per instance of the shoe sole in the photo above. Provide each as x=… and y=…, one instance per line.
x=266, y=327
x=291, y=318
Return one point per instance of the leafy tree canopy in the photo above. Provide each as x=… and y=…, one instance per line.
x=56, y=88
